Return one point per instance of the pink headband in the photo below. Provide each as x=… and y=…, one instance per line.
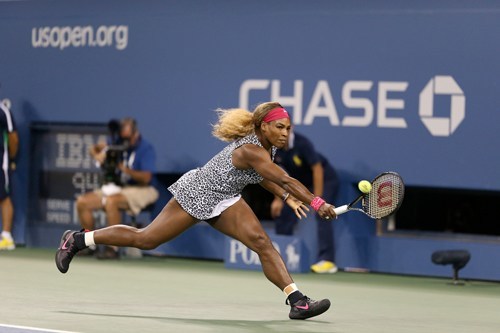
x=276, y=113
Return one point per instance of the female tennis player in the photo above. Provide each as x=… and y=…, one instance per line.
x=212, y=193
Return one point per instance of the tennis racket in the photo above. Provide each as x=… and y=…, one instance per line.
x=385, y=197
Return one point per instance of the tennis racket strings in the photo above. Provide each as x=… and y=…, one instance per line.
x=385, y=197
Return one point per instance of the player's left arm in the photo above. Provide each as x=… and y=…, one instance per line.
x=254, y=157
x=281, y=197
x=257, y=158
x=274, y=188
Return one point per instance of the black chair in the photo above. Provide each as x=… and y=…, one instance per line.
x=457, y=258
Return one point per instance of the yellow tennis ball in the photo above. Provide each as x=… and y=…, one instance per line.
x=365, y=186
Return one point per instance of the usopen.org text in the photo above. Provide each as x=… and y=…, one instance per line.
x=80, y=36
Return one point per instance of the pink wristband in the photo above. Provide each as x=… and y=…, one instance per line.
x=317, y=203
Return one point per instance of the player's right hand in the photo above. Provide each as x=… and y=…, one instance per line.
x=327, y=212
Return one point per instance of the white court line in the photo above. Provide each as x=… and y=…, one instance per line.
x=34, y=329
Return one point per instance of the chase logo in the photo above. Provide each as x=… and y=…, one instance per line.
x=364, y=103
x=442, y=126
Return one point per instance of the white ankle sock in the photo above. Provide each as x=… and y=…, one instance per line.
x=89, y=238
x=292, y=287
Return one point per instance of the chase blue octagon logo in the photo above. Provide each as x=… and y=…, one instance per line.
x=442, y=85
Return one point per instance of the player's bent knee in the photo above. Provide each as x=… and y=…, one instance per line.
x=261, y=243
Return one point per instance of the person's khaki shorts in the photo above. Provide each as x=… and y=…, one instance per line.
x=138, y=197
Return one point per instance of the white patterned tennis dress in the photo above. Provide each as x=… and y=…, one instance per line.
x=202, y=190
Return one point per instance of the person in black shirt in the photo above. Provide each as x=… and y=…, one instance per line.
x=301, y=160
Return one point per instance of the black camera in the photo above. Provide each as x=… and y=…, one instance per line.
x=114, y=154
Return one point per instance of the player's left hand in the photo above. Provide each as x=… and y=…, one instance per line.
x=298, y=206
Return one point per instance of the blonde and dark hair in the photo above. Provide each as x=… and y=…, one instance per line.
x=238, y=123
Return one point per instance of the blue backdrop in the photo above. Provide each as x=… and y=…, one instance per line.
x=386, y=85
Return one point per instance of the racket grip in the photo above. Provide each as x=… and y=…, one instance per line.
x=341, y=210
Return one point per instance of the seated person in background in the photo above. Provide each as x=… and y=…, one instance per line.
x=133, y=187
x=303, y=162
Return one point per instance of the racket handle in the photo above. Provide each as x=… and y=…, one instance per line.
x=341, y=210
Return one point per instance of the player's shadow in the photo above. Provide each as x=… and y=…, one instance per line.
x=251, y=325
